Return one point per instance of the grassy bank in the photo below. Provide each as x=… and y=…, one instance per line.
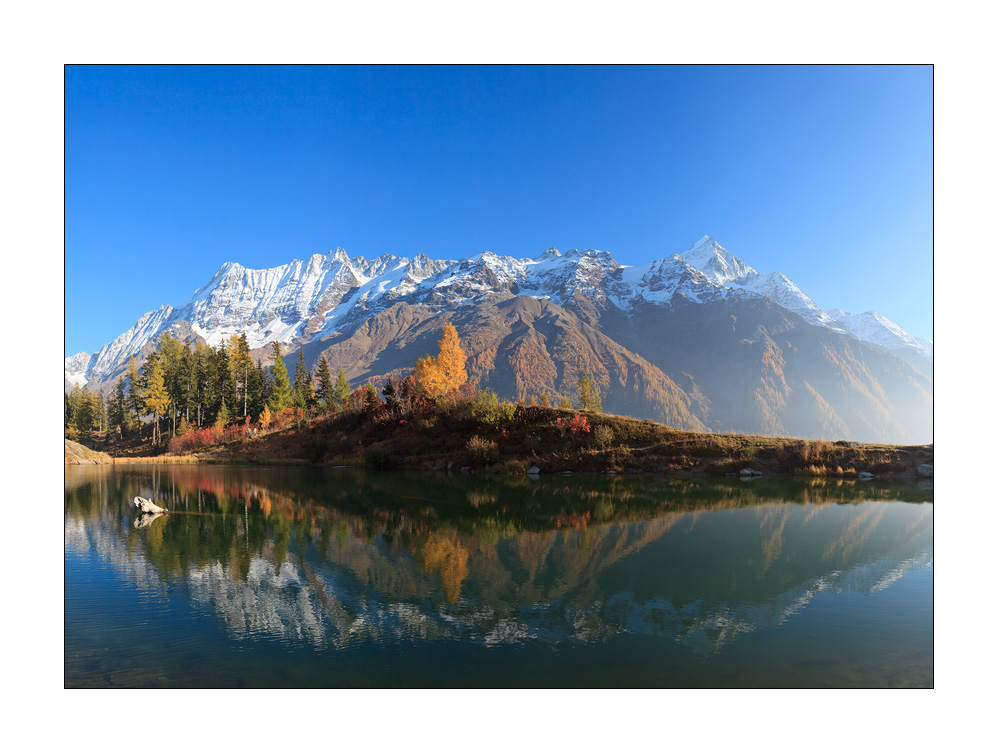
x=506, y=438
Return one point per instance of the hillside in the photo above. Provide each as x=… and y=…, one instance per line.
x=77, y=454
x=480, y=440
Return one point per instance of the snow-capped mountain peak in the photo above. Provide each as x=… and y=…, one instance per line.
x=309, y=299
x=716, y=262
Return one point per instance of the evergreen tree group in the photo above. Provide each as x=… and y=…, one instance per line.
x=182, y=386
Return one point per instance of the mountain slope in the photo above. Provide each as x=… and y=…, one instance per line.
x=699, y=340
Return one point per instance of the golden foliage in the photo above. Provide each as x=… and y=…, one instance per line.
x=442, y=375
x=446, y=555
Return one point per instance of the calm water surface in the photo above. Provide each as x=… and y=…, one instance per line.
x=302, y=577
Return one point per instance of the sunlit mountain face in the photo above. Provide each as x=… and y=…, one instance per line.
x=345, y=561
x=698, y=340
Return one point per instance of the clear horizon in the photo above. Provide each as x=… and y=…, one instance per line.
x=821, y=173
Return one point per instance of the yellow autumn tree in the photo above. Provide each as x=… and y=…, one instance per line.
x=442, y=375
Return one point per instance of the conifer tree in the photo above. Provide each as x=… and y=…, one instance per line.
x=154, y=393
x=188, y=383
x=136, y=404
x=100, y=410
x=280, y=397
x=223, y=417
x=342, y=389
x=223, y=387
x=84, y=413
x=391, y=396
x=240, y=364
x=202, y=382
x=73, y=406
x=257, y=390
x=169, y=351
x=117, y=417
x=304, y=392
x=370, y=397
x=588, y=395
x=325, y=385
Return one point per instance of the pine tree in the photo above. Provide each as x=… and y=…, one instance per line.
x=154, y=394
x=370, y=397
x=117, y=417
x=73, y=407
x=170, y=350
x=202, y=382
x=240, y=365
x=257, y=389
x=588, y=395
x=135, y=402
x=391, y=397
x=100, y=410
x=280, y=398
x=325, y=385
x=222, y=385
x=84, y=413
x=223, y=417
x=304, y=392
x=342, y=389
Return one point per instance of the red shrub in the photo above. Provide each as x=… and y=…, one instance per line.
x=574, y=426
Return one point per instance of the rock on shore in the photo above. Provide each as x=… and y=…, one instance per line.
x=77, y=454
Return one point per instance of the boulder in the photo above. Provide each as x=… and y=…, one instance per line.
x=924, y=469
x=749, y=472
x=533, y=470
x=864, y=475
x=146, y=506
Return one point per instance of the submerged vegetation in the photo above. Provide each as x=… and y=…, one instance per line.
x=179, y=406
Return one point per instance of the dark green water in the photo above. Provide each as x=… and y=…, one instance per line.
x=300, y=577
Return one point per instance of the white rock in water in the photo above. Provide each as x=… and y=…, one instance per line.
x=924, y=470
x=146, y=506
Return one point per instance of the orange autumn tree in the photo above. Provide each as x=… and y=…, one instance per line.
x=442, y=375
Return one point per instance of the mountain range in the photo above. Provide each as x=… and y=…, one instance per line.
x=698, y=340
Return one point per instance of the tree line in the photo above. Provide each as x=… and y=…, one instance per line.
x=183, y=387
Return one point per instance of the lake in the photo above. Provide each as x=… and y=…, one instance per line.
x=278, y=577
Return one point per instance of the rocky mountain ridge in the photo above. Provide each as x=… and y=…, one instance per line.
x=373, y=317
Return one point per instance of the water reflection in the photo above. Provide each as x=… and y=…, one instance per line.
x=334, y=559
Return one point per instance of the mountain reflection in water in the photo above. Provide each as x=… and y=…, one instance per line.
x=339, y=558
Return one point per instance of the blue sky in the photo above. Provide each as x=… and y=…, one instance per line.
x=822, y=173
